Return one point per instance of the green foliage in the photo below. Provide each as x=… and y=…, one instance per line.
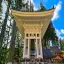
x=18, y=53
x=62, y=44
x=3, y=51
x=50, y=34
x=29, y=8
x=18, y=48
x=42, y=8
x=3, y=56
x=18, y=4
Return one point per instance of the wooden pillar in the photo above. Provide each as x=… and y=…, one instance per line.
x=24, y=49
x=28, y=48
x=39, y=53
x=36, y=48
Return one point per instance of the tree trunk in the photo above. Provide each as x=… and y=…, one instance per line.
x=12, y=44
x=45, y=43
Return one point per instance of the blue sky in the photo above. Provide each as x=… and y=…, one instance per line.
x=58, y=20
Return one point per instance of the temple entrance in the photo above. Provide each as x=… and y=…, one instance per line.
x=32, y=47
x=32, y=44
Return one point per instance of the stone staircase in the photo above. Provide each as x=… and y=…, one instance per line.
x=32, y=60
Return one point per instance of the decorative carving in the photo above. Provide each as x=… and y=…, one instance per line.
x=32, y=28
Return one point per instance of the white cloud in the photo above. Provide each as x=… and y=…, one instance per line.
x=62, y=37
x=56, y=12
x=35, y=8
x=62, y=31
x=59, y=33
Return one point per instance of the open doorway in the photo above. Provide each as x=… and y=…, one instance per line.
x=32, y=47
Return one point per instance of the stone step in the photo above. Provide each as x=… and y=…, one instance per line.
x=32, y=63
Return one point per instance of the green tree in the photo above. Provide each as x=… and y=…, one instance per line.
x=13, y=50
x=42, y=8
x=50, y=34
x=31, y=7
x=3, y=48
x=4, y=36
x=18, y=48
x=18, y=4
x=62, y=44
x=12, y=43
x=4, y=25
x=27, y=6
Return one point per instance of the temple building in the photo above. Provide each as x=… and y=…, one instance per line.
x=32, y=26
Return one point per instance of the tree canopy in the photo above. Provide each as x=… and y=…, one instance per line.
x=61, y=44
x=42, y=8
x=50, y=34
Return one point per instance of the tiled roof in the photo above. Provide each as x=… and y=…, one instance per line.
x=55, y=49
x=20, y=13
x=47, y=53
